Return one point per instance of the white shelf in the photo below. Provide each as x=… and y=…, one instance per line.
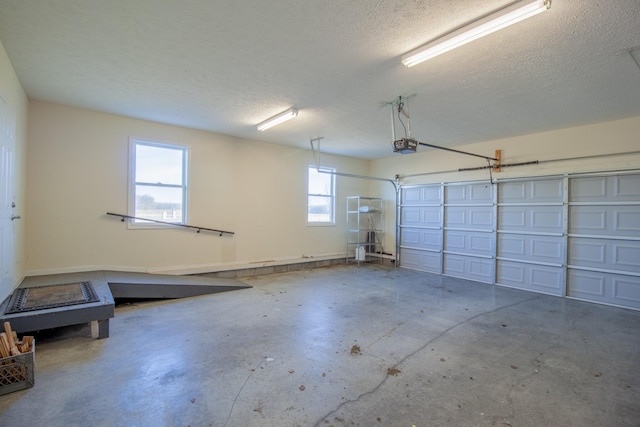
x=365, y=233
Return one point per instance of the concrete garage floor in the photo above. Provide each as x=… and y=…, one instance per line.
x=343, y=346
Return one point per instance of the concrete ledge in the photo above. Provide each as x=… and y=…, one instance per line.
x=272, y=269
x=285, y=268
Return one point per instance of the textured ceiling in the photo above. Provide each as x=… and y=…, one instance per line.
x=224, y=66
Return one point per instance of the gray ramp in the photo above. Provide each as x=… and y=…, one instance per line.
x=167, y=286
x=153, y=287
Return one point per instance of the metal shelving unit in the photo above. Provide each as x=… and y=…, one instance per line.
x=365, y=219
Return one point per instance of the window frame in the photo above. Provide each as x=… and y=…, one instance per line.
x=332, y=196
x=132, y=183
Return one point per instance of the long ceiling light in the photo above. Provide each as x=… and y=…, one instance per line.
x=277, y=119
x=494, y=22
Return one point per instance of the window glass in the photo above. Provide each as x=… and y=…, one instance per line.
x=158, y=188
x=320, y=198
x=159, y=164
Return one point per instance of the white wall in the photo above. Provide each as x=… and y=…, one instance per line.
x=11, y=91
x=620, y=136
x=78, y=171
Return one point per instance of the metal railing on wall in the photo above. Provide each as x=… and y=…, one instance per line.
x=193, y=227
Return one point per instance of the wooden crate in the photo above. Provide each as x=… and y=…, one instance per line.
x=16, y=372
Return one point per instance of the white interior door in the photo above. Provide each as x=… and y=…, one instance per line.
x=7, y=204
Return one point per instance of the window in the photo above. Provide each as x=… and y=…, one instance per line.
x=158, y=184
x=321, y=196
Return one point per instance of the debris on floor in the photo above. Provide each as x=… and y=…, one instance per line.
x=393, y=371
x=355, y=350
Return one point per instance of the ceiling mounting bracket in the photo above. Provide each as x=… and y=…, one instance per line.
x=630, y=52
x=316, y=159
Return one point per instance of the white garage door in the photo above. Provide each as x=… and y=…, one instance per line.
x=531, y=235
x=604, y=239
x=421, y=222
x=469, y=231
x=573, y=236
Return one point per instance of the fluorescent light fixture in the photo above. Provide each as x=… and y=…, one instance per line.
x=494, y=22
x=277, y=119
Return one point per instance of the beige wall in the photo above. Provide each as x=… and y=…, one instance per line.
x=433, y=166
x=78, y=171
x=12, y=93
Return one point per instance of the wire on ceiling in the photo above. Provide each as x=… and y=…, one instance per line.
x=405, y=113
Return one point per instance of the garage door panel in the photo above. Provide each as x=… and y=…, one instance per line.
x=539, y=278
x=547, y=249
x=410, y=236
x=588, y=189
x=514, y=192
x=547, y=191
x=432, y=193
x=539, y=191
x=626, y=288
x=620, y=255
x=469, y=242
x=544, y=249
x=430, y=262
x=411, y=195
x=615, y=289
x=511, y=273
x=615, y=189
x=586, y=284
x=626, y=187
x=477, y=217
x=626, y=255
x=605, y=220
x=512, y=246
x=586, y=252
x=512, y=219
x=421, y=195
x=546, y=218
x=468, y=193
x=541, y=219
x=454, y=265
x=421, y=238
x=546, y=278
x=422, y=216
x=411, y=216
x=478, y=269
x=627, y=221
x=588, y=220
